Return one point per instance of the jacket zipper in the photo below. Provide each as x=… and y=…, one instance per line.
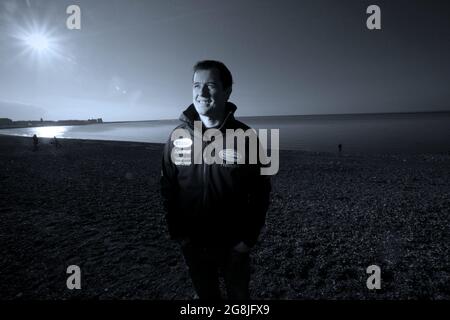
x=205, y=180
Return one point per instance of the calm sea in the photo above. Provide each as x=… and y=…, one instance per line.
x=373, y=133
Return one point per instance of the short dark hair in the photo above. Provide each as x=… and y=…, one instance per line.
x=225, y=75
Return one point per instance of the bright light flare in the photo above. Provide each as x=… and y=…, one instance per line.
x=38, y=42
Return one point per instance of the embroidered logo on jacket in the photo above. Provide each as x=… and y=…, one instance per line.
x=182, y=143
x=230, y=155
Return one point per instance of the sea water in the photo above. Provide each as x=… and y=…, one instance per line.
x=357, y=133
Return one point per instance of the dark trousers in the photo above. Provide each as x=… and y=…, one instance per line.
x=206, y=264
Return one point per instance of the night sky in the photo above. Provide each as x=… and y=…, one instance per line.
x=132, y=60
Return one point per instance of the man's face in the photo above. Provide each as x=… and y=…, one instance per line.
x=208, y=95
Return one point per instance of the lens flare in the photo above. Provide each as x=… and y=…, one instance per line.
x=38, y=42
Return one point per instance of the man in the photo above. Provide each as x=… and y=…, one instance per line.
x=214, y=210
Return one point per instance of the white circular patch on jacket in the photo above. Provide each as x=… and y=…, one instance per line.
x=182, y=143
x=230, y=155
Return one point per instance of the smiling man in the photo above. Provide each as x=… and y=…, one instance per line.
x=209, y=96
x=214, y=210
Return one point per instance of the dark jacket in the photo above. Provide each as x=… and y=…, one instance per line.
x=213, y=204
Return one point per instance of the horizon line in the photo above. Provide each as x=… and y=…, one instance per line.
x=259, y=116
x=301, y=115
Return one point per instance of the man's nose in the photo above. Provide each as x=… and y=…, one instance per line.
x=205, y=91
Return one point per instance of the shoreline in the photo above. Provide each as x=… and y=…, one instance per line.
x=96, y=204
x=324, y=153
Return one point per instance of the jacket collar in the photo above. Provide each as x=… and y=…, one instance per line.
x=190, y=114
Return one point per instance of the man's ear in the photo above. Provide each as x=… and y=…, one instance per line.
x=228, y=93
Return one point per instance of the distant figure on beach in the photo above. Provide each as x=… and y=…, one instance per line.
x=55, y=142
x=214, y=211
x=340, y=148
x=35, y=142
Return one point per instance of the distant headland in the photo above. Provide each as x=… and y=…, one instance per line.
x=8, y=123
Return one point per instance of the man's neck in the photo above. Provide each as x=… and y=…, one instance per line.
x=209, y=122
x=212, y=122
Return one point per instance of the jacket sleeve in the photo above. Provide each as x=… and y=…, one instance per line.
x=169, y=192
x=258, y=204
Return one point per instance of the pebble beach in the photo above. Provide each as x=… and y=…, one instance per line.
x=97, y=205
